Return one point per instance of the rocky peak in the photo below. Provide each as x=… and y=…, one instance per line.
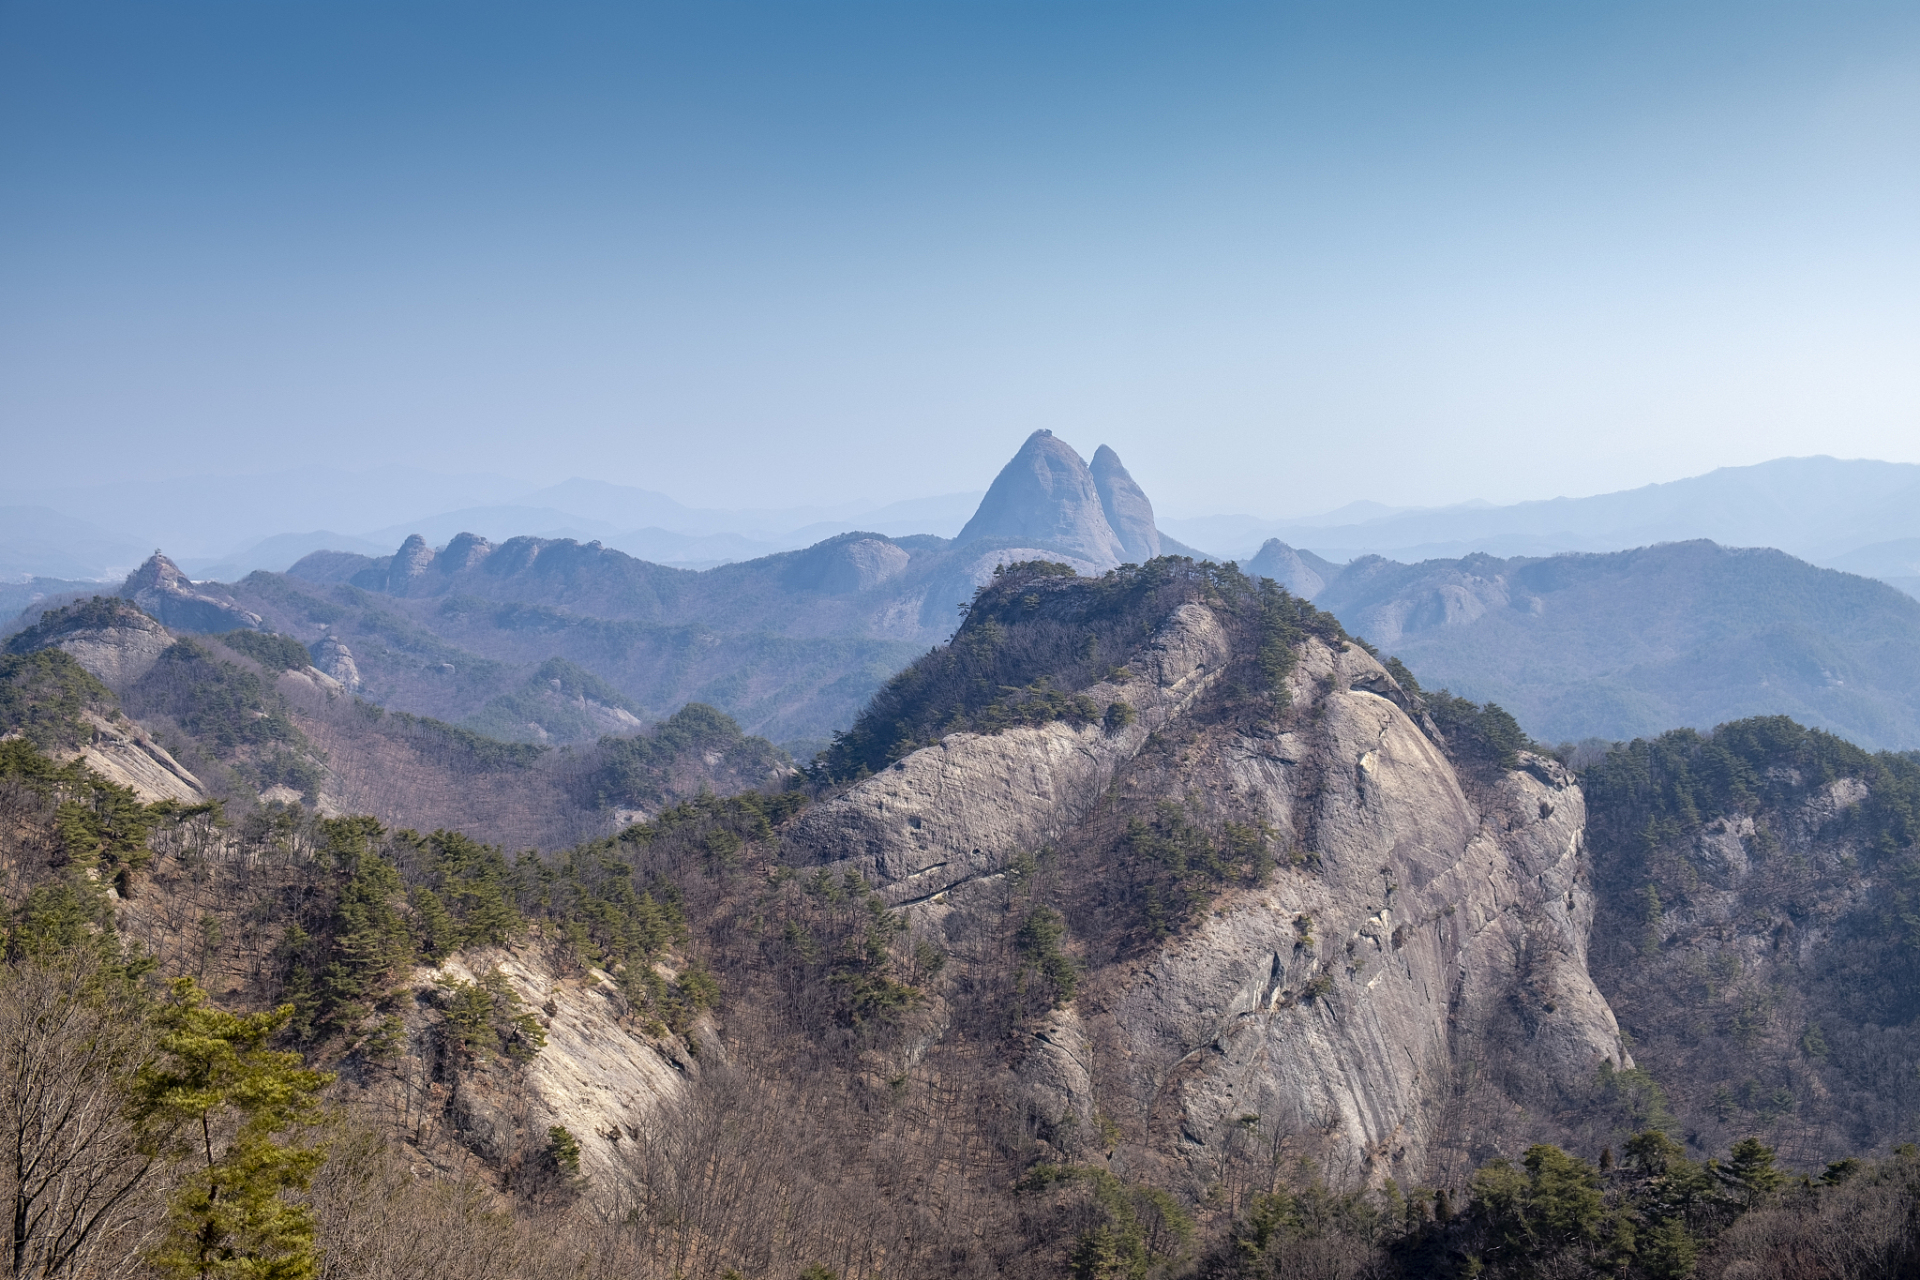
x=413, y=558
x=464, y=552
x=1046, y=496
x=163, y=592
x=852, y=562
x=1125, y=504
x=1410, y=919
x=157, y=574
x=332, y=658
x=1291, y=569
x=108, y=636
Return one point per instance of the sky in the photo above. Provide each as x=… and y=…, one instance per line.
x=1280, y=256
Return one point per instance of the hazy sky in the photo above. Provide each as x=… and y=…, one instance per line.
x=1279, y=256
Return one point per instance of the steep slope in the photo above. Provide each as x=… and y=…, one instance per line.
x=163, y=592
x=58, y=706
x=1046, y=496
x=1636, y=642
x=1757, y=930
x=1418, y=919
x=244, y=717
x=1126, y=507
x=791, y=645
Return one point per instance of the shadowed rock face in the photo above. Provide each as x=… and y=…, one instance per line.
x=1047, y=496
x=162, y=591
x=1128, y=512
x=1426, y=930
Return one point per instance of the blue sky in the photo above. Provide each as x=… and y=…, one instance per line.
x=1279, y=256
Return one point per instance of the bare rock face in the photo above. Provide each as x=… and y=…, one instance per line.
x=1287, y=567
x=599, y=1077
x=956, y=813
x=123, y=753
x=1046, y=495
x=1422, y=924
x=849, y=564
x=334, y=659
x=1127, y=509
x=111, y=638
x=162, y=591
x=1343, y=1000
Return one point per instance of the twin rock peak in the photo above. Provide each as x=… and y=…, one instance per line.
x=1048, y=496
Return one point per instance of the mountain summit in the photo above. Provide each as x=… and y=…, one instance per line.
x=1125, y=504
x=1048, y=497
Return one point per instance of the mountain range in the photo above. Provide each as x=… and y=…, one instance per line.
x=1860, y=516
x=1579, y=645
x=1150, y=920
x=1851, y=515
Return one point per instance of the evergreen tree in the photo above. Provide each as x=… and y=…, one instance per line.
x=371, y=945
x=1751, y=1172
x=232, y=1108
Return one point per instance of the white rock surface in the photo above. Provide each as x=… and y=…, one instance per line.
x=1433, y=913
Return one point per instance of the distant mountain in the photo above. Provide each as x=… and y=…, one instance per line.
x=1126, y=507
x=39, y=593
x=276, y=554
x=223, y=527
x=1820, y=509
x=249, y=720
x=39, y=541
x=790, y=644
x=1047, y=495
x=211, y=515
x=1301, y=572
x=1633, y=643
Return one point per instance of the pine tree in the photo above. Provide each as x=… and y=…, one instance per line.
x=371, y=945
x=1750, y=1169
x=232, y=1108
x=1669, y=1251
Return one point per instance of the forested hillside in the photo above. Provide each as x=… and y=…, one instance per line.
x=254, y=723
x=1151, y=927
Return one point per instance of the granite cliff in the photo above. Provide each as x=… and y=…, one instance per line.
x=1423, y=934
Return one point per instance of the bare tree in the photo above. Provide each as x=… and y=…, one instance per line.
x=76, y=1184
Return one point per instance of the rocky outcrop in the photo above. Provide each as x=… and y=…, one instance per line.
x=1125, y=504
x=600, y=1076
x=1422, y=925
x=1340, y=1004
x=1047, y=496
x=1304, y=574
x=111, y=638
x=161, y=590
x=122, y=752
x=848, y=564
x=954, y=814
x=334, y=659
